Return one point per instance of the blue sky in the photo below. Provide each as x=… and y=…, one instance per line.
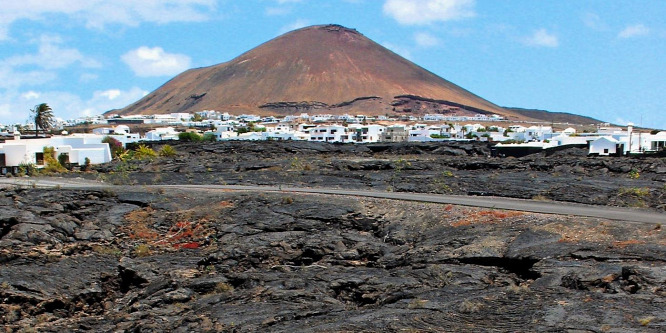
x=604, y=59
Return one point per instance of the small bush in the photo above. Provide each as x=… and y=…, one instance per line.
x=635, y=191
x=646, y=320
x=28, y=169
x=115, y=146
x=167, y=151
x=63, y=160
x=223, y=288
x=512, y=141
x=189, y=137
x=142, y=250
x=287, y=200
x=52, y=165
x=107, y=250
x=86, y=164
x=144, y=152
x=634, y=174
x=209, y=137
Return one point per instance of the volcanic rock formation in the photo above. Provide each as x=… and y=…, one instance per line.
x=327, y=68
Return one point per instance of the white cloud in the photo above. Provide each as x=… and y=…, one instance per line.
x=100, y=13
x=30, y=95
x=51, y=55
x=65, y=105
x=594, y=22
x=422, y=12
x=147, y=62
x=300, y=23
x=38, y=68
x=110, y=94
x=425, y=39
x=542, y=38
x=11, y=79
x=635, y=30
x=400, y=50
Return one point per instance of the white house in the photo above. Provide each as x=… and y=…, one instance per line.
x=290, y=135
x=332, y=133
x=162, y=133
x=76, y=147
x=656, y=142
x=569, y=131
x=604, y=146
x=365, y=133
x=120, y=133
x=433, y=117
x=538, y=133
x=320, y=118
x=102, y=130
x=126, y=138
x=250, y=136
x=223, y=133
x=248, y=118
x=421, y=134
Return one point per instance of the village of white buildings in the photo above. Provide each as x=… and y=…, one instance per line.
x=18, y=148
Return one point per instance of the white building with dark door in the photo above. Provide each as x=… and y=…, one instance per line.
x=76, y=148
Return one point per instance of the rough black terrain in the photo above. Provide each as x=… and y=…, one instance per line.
x=131, y=260
x=442, y=167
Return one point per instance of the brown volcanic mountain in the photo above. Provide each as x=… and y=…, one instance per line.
x=328, y=68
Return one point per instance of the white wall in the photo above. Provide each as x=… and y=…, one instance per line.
x=600, y=145
x=78, y=148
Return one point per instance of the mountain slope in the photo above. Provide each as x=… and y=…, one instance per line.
x=328, y=68
x=557, y=117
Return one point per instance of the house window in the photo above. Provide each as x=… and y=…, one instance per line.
x=605, y=151
x=40, y=158
x=2, y=160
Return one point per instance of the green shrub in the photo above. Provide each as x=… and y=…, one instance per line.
x=63, y=160
x=209, y=137
x=142, y=250
x=27, y=169
x=189, y=137
x=512, y=141
x=52, y=165
x=635, y=191
x=634, y=174
x=167, y=151
x=86, y=164
x=144, y=152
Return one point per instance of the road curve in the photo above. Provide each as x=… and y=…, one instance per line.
x=546, y=207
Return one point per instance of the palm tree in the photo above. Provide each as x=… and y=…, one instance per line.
x=43, y=116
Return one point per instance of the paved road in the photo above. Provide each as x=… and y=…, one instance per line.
x=547, y=207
